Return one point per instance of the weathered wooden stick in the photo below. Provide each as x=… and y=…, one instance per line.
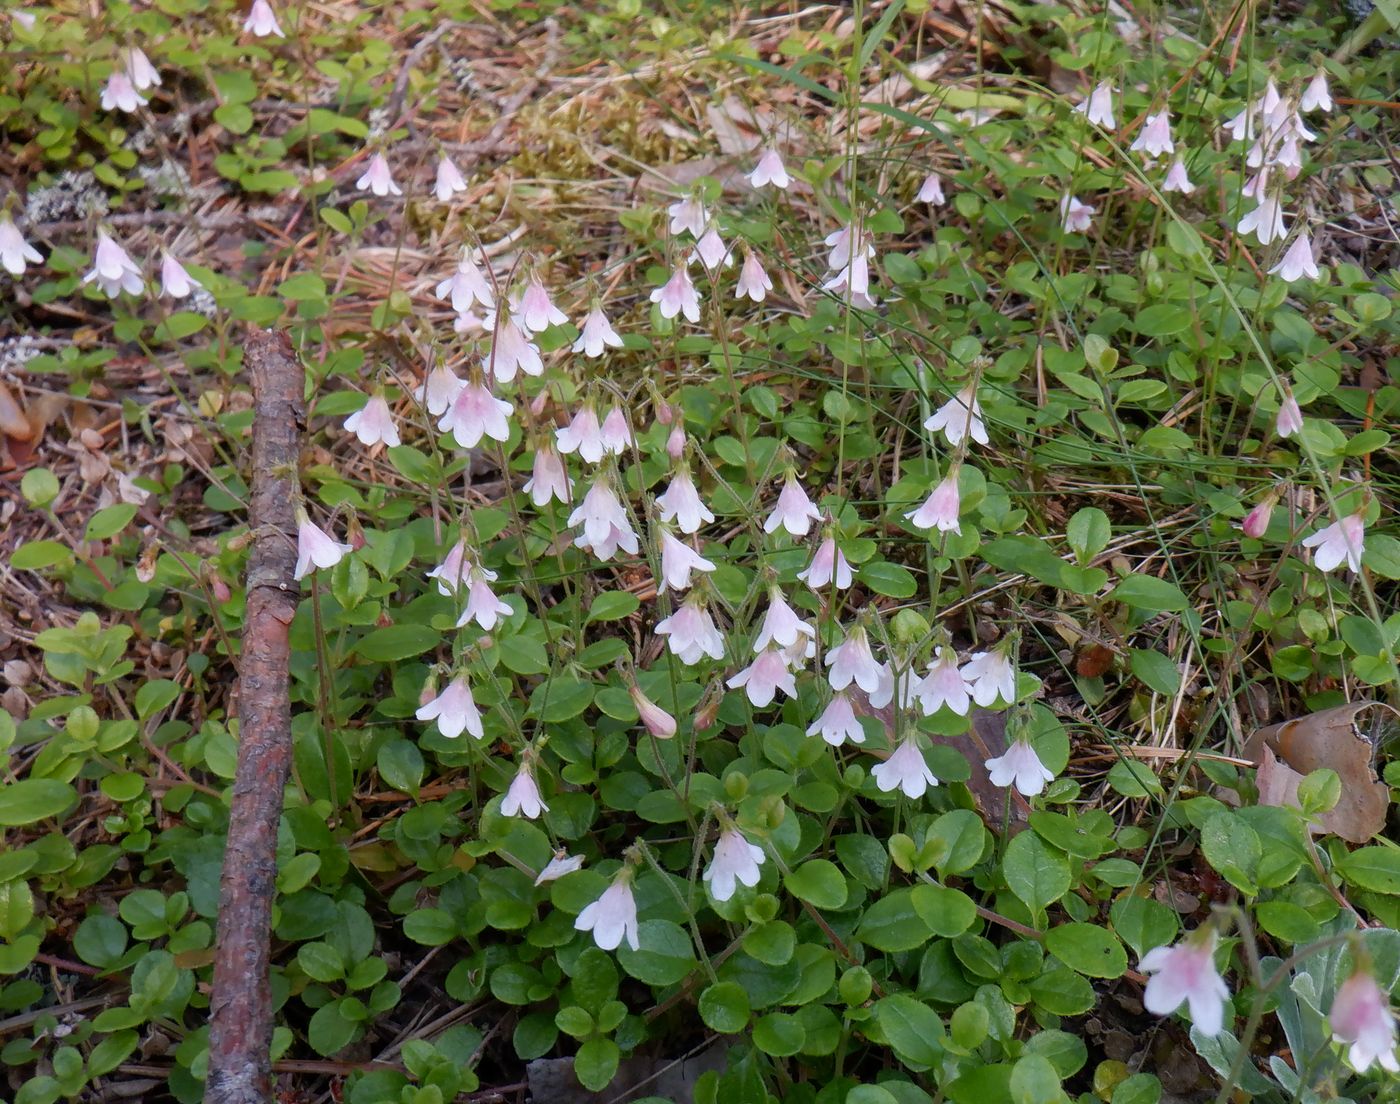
x=240, y=1034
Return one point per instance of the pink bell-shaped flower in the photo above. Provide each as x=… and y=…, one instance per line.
x=454, y=710
x=736, y=862
x=373, y=423
x=1186, y=974
x=315, y=548
x=613, y=916
x=906, y=770
x=1020, y=766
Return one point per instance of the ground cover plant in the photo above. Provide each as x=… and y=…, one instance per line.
x=846, y=553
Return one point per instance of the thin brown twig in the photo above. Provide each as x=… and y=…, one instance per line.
x=241, y=1020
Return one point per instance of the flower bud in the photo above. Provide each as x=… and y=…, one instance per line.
x=1256, y=522
x=675, y=443
x=220, y=589
x=708, y=708
x=658, y=722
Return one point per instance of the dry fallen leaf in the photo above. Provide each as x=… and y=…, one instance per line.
x=13, y=423
x=1284, y=753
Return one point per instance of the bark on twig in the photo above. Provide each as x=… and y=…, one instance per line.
x=240, y=1034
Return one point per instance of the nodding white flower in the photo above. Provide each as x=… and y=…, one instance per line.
x=119, y=93
x=562, y=863
x=449, y=179
x=990, y=675
x=675, y=442
x=691, y=634
x=677, y=295
x=799, y=652
x=678, y=560
x=828, y=566
x=262, y=20
x=940, y=509
x=467, y=285
x=613, y=915
x=735, y=860
x=316, y=548
x=1289, y=158
x=476, y=413
x=959, y=417
x=681, y=503
x=1186, y=973
x=853, y=281
x=548, y=478
x=846, y=242
x=794, y=511
x=1297, y=129
x=439, y=387
x=769, y=170
x=15, y=252
x=456, y=569
x=657, y=721
x=1257, y=185
x=688, y=214
x=512, y=350
x=615, y=433
x=781, y=625
x=470, y=323
x=1342, y=540
x=907, y=687
x=605, y=526
x=1177, y=180
x=711, y=251
x=852, y=661
x=849, y=260
x=1097, y=107
x=753, y=281
x=1362, y=1021
x=175, y=282
x=764, y=677
x=595, y=334
x=373, y=423
x=112, y=269
x=1297, y=262
x=1270, y=100
x=1240, y=127
x=943, y=685
x=1316, y=96
x=523, y=797
x=582, y=435
x=537, y=310
x=838, y=722
x=905, y=769
x=1021, y=766
x=1290, y=417
x=482, y=606
x=1155, y=138
x=454, y=710
x=139, y=68
x=378, y=178
x=931, y=191
x=1265, y=221
x=1075, y=216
